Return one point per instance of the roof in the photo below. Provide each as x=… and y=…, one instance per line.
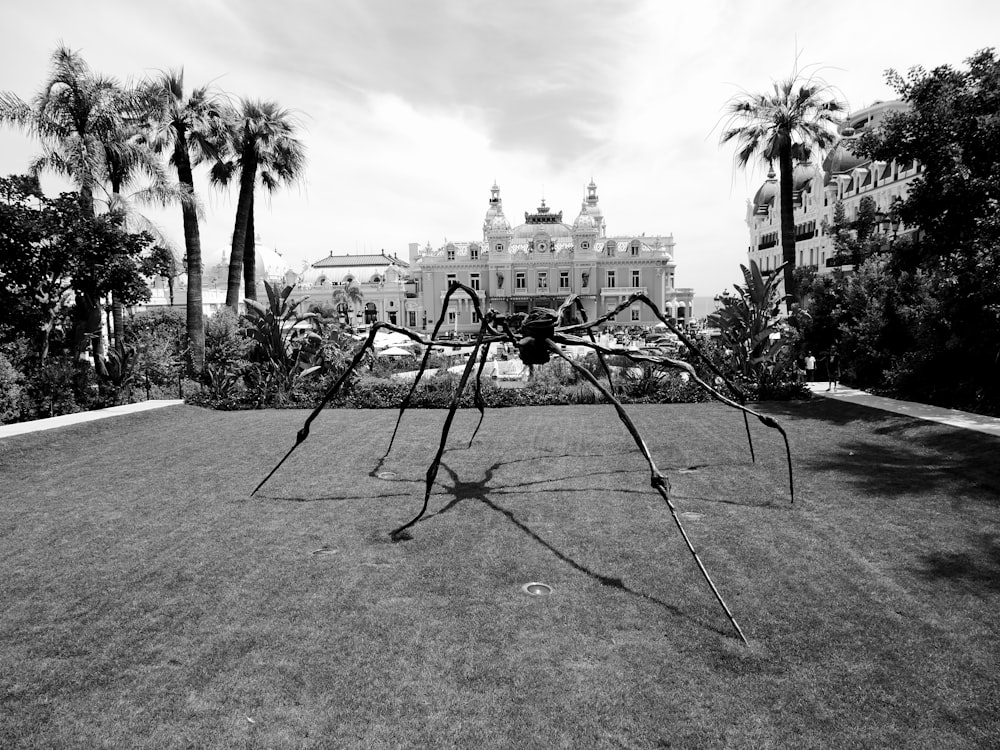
x=372, y=259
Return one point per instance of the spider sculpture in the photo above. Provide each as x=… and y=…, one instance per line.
x=537, y=337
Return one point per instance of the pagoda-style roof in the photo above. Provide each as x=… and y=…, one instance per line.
x=365, y=259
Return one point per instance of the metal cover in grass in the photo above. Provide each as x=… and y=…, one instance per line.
x=536, y=589
x=386, y=475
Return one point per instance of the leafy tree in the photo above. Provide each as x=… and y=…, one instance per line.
x=162, y=262
x=949, y=262
x=787, y=125
x=55, y=249
x=187, y=128
x=79, y=117
x=260, y=143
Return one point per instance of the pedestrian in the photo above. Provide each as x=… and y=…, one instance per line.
x=832, y=369
x=810, y=367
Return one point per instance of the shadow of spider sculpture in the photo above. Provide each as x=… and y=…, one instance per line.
x=537, y=337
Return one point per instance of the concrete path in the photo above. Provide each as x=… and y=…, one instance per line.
x=951, y=417
x=9, y=430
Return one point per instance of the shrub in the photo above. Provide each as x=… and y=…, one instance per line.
x=11, y=391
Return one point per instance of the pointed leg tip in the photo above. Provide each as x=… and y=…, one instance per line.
x=400, y=536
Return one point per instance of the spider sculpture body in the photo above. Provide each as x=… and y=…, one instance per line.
x=538, y=337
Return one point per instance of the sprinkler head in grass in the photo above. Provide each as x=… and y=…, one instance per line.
x=536, y=589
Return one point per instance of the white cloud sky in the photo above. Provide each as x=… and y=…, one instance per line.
x=411, y=109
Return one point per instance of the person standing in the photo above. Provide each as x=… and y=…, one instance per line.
x=833, y=369
x=810, y=367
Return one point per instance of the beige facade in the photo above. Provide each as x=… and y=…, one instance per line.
x=541, y=261
x=843, y=177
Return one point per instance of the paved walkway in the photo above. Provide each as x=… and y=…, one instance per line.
x=9, y=430
x=951, y=417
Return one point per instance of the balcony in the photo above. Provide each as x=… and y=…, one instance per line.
x=839, y=261
x=623, y=291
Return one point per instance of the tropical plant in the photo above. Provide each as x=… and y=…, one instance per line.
x=188, y=129
x=80, y=119
x=748, y=320
x=260, y=143
x=801, y=116
x=284, y=350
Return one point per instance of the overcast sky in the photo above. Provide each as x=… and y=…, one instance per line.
x=410, y=109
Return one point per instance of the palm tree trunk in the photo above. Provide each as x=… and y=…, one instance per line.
x=88, y=319
x=192, y=244
x=786, y=187
x=250, y=257
x=248, y=176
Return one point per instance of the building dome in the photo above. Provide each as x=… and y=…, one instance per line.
x=526, y=232
x=269, y=263
x=767, y=192
x=841, y=159
x=498, y=223
x=585, y=221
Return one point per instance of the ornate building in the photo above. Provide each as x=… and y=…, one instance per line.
x=383, y=281
x=843, y=177
x=540, y=262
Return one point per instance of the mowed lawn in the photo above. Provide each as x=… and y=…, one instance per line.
x=146, y=600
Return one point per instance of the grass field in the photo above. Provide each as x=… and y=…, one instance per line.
x=147, y=601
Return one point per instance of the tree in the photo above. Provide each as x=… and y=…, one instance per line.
x=162, y=262
x=261, y=143
x=52, y=248
x=345, y=298
x=949, y=259
x=79, y=118
x=799, y=117
x=188, y=129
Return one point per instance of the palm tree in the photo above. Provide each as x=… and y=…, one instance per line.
x=187, y=128
x=80, y=118
x=261, y=143
x=345, y=298
x=801, y=116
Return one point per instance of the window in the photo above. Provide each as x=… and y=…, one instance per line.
x=633, y=314
x=450, y=253
x=635, y=277
x=411, y=318
x=474, y=253
x=609, y=248
x=475, y=316
x=564, y=279
x=450, y=279
x=499, y=247
x=474, y=281
x=452, y=317
x=611, y=279
x=585, y=245
x=519, y=280
x=543, y=279
x=634, y=248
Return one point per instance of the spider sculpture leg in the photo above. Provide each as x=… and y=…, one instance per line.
x=480, y=404
x=640, y=297
x=687, y=368
x=565, y=311
x=399, y=534
x=303, y=433
x=658, y=480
